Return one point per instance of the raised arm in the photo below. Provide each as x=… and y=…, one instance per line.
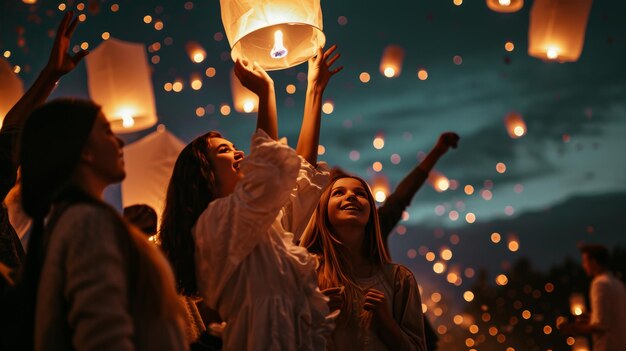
x=253, y=77
x=391, y=211
x=59, y=64
x=320, y=72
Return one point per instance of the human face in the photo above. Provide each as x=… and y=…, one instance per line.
x=348, y=204
x=225, y=160
x=103, y=153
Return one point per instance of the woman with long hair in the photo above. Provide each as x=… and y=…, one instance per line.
x=380, y=302
x=91, y=281
x=229, y=223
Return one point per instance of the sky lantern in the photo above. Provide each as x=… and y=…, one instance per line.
x=196, y=52
x=244, y=100
x=277, y=34
x=391, y=62
x=11, y=88
x=380, y=188
x=515, y=125
x=557, y=29
x=577, y=304
x=438, y=181
x=505, y=6
x=581, y=344
x=119, y=80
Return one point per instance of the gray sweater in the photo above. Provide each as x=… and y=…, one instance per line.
x=83, y=300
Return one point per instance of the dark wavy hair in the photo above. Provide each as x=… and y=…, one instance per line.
x=192, y=187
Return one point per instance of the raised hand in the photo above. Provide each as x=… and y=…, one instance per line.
x=61, y=62
x=446, y=141
x=253, y=77
x=320, y=67
x=376, y=302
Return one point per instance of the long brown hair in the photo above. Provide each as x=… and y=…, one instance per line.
x=191, y=189
x=334, y=268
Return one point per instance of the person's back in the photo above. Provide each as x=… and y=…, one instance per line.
x=608, y=296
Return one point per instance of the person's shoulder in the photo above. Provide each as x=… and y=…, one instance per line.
x=87, y=220
x=399, y=271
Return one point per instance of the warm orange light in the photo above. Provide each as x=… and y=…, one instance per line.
x=509, y=46
x=438, y=181
x=502, y=279
x=391, y=61
x=244, y=100
x=557, y=29
x=364, y=77
x=505, y=6
x=515, y=125
x=195, y=51
x=379, y=142
x=577, y=304
x=328, y=107
x=422, y=74
x=380, y=188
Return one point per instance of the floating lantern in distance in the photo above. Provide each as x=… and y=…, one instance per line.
x=195, y=51
x=380, y=188
x=505, y=6
x=581, y=344
x=277, y=34
x=557, y=29
x=438, y=181
x=515, y=125
x=11, y=88
x=391, y=62
x=577, y=304
x=243, y=99
x=119, y=80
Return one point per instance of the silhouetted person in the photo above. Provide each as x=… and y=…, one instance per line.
x=143, y=217
x=607, y=321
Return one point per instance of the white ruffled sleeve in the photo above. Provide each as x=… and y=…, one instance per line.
x=304, y=197
x=229, y=229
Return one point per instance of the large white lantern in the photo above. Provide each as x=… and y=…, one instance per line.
x=244, y=100
x=505, y=6
x=119, y=80
x=277, y=34
x=11, y=88
x=557, y=29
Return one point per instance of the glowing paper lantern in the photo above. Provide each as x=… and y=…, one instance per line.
x=195, y=51
x=557, y=29
x=380, y=188
x=149, y=164
x=577, y=304
x=119, y=80
x=515, y=125
x=505, y=6
x=243, y=99
x=438, y=181
x=11, y=88
x=391, y=62
x=277, y=34
x=581, y=344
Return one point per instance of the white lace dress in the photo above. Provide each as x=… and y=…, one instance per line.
x=248, y=267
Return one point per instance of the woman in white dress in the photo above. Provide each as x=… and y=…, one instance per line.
x=229, y=224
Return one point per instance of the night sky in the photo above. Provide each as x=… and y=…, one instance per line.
x=565, y=180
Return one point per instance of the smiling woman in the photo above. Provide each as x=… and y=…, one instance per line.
x=379, y=301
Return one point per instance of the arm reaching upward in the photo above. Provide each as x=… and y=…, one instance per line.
x=59, y=64
x=391, y=211
x=320, y=72
x=253, y=77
